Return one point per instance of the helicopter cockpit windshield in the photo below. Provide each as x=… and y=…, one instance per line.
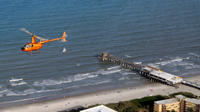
x=27, y=46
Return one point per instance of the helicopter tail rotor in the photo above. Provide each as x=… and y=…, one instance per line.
x=64, y=37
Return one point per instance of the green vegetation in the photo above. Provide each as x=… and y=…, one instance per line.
x=190, y=109
x=138, y=105
x=186, y=94
x=78, y=109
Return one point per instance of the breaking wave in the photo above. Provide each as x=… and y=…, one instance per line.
x=124, y=78
x=115, y=67
x=127, y=56
x=50, y=82
x=186, y=63
x=177, y=59
x=110, y=72
x=102, y=82
x=78, y=77
x=138, y=62
x=17, y=82
x=9, y=92
x=192, y=66
x=75, y=78
x=127, y=73
x=42, y=86
x=194, y=55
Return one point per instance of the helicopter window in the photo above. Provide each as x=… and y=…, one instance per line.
x=32, y=45
x=27, y=46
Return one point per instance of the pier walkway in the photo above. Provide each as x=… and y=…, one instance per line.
x=191, y=84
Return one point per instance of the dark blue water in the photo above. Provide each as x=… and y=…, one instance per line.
x=160, y=33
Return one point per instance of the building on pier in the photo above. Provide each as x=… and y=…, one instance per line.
x=160, y=75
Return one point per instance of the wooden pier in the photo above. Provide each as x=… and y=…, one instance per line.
x=106, y=57
x=152, y=73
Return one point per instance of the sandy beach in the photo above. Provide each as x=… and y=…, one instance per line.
x=104, y=97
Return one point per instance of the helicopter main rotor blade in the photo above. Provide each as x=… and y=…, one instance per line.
x=26, y=31
x=30, y=33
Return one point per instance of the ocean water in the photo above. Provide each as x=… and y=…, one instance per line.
x=160, y=33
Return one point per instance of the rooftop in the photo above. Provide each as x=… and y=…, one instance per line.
x=100, y=108
x=180, y=97
x=192, y=100
x=168, y=101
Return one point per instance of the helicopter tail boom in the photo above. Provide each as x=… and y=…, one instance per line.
x=51, y=40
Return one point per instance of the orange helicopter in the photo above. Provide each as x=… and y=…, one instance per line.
x=33, y=46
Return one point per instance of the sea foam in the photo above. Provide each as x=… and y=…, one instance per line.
x=17, y=82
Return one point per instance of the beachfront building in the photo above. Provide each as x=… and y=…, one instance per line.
x=178, y=104
x=100, y=108
x=192, y=105
x=167, y=105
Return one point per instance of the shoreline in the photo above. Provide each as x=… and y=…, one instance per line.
x=104, y=97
